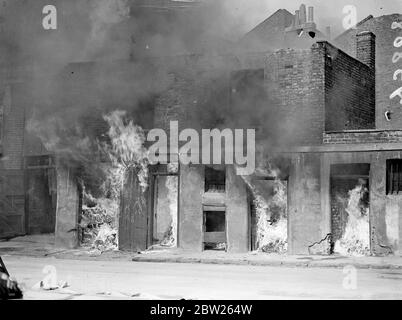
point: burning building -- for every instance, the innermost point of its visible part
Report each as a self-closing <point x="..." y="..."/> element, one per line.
<point x="327" y="177"/>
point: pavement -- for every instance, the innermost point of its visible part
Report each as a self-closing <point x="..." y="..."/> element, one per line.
<point x="40" y="246"/>
<point x="128" y="280"/>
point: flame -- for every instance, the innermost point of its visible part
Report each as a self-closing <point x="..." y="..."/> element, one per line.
<point x="271" y="230"/>
<point x="356" y="237"/>
<point x="126" y="149"/>
<point x="272" y="233"/>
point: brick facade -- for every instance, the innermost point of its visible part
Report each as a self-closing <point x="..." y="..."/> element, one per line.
<point x="349" y="91"/>
<point x="362" y="136"/>
<point x="319" y="89"/>
<point x="14" y="127"/>
<point x="385" y="85"/>
<point x="296" y="79"/>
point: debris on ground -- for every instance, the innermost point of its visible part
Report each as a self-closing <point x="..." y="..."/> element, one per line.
<point x="106" y="238"/>
<point x="137" y="295"/>
<point x="99" y="224"/>
<point x="48" y="285"/>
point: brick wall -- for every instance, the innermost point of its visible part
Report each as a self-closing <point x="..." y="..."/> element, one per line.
<point x="296" y="79"/>
<point x="14" y="124"/>
<point x="349" y="88"/>
<point x="195" y="91"/>
<point x="320" y="88"/>
<point x="369" y="136"/>
<point x="385" y="85"/>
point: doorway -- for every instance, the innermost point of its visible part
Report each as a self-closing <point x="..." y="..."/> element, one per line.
<point x="350" y="203"/>
<point x="165" y="210"/>
<point x="214" y="229"/>
<point x="268" y="198"/>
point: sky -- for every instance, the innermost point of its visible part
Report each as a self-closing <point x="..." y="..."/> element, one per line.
<point x="245" y="14"/>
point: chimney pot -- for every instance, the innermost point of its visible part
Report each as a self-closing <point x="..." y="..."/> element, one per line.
<point x="297" y="18"/>
<point x="302" y="14"/>
<point x="310" y="14"/>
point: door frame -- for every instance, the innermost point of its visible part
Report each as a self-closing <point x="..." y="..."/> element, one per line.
<point x="156" y="171"/>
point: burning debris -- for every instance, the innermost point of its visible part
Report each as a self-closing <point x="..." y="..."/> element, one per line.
<point x="355" y="240"/>
<point x="125" y="150"/>
<point x="99" y="223"/>
<point x="272" y="221"/>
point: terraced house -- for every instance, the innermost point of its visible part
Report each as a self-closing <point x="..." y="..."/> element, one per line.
<point x="327" y="133"/>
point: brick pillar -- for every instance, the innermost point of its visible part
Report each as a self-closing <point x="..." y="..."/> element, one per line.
<point x="68" y="208"/>
<point x="237" y="213"/>
<point x="192" y="186"/>
<point x="366" y="48"/>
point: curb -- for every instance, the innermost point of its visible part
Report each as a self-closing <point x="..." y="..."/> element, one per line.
<point x="217" y="261"/>
<point x="310" y="264"/>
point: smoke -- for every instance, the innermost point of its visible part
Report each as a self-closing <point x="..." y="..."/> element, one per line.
<point x="103" y="15"/>
<point x="123" y="30"/>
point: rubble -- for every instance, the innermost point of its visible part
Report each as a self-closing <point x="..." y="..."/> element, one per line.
<point x="99" y="223"/>
<point x="45" y="285"/>
<point x="106" y="238"/>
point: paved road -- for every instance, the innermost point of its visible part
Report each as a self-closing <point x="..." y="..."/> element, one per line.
<point x="125" y="279"/>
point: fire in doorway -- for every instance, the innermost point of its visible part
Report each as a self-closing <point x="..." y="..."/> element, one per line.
<point x="165" y="209"/>
<point x="269" y="222"/>
<point x="350" y="210"/>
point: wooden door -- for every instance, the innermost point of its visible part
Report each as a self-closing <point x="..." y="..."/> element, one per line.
<point x="12" y="203"/>
<point x="41" y="214"/>
<point x="133" y="220"/>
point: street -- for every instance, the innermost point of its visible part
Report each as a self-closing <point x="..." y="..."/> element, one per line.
<point x="138" y="280"/>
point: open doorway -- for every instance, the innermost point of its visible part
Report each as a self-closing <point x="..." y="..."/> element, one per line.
<point x="40" y="195"/>
<point x="164" y="220"/>
<point x="350" y="203"/>
<point x="214" y="227"/>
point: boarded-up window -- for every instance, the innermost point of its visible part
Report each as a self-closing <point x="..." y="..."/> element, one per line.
<point x="394" y="176"/>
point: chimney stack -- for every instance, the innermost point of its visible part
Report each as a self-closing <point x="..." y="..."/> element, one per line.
<point x="302" y="14"/>
<point x="310" y="14"/>
<point x="366" y="48"/>
<point x="297" y="18"/>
